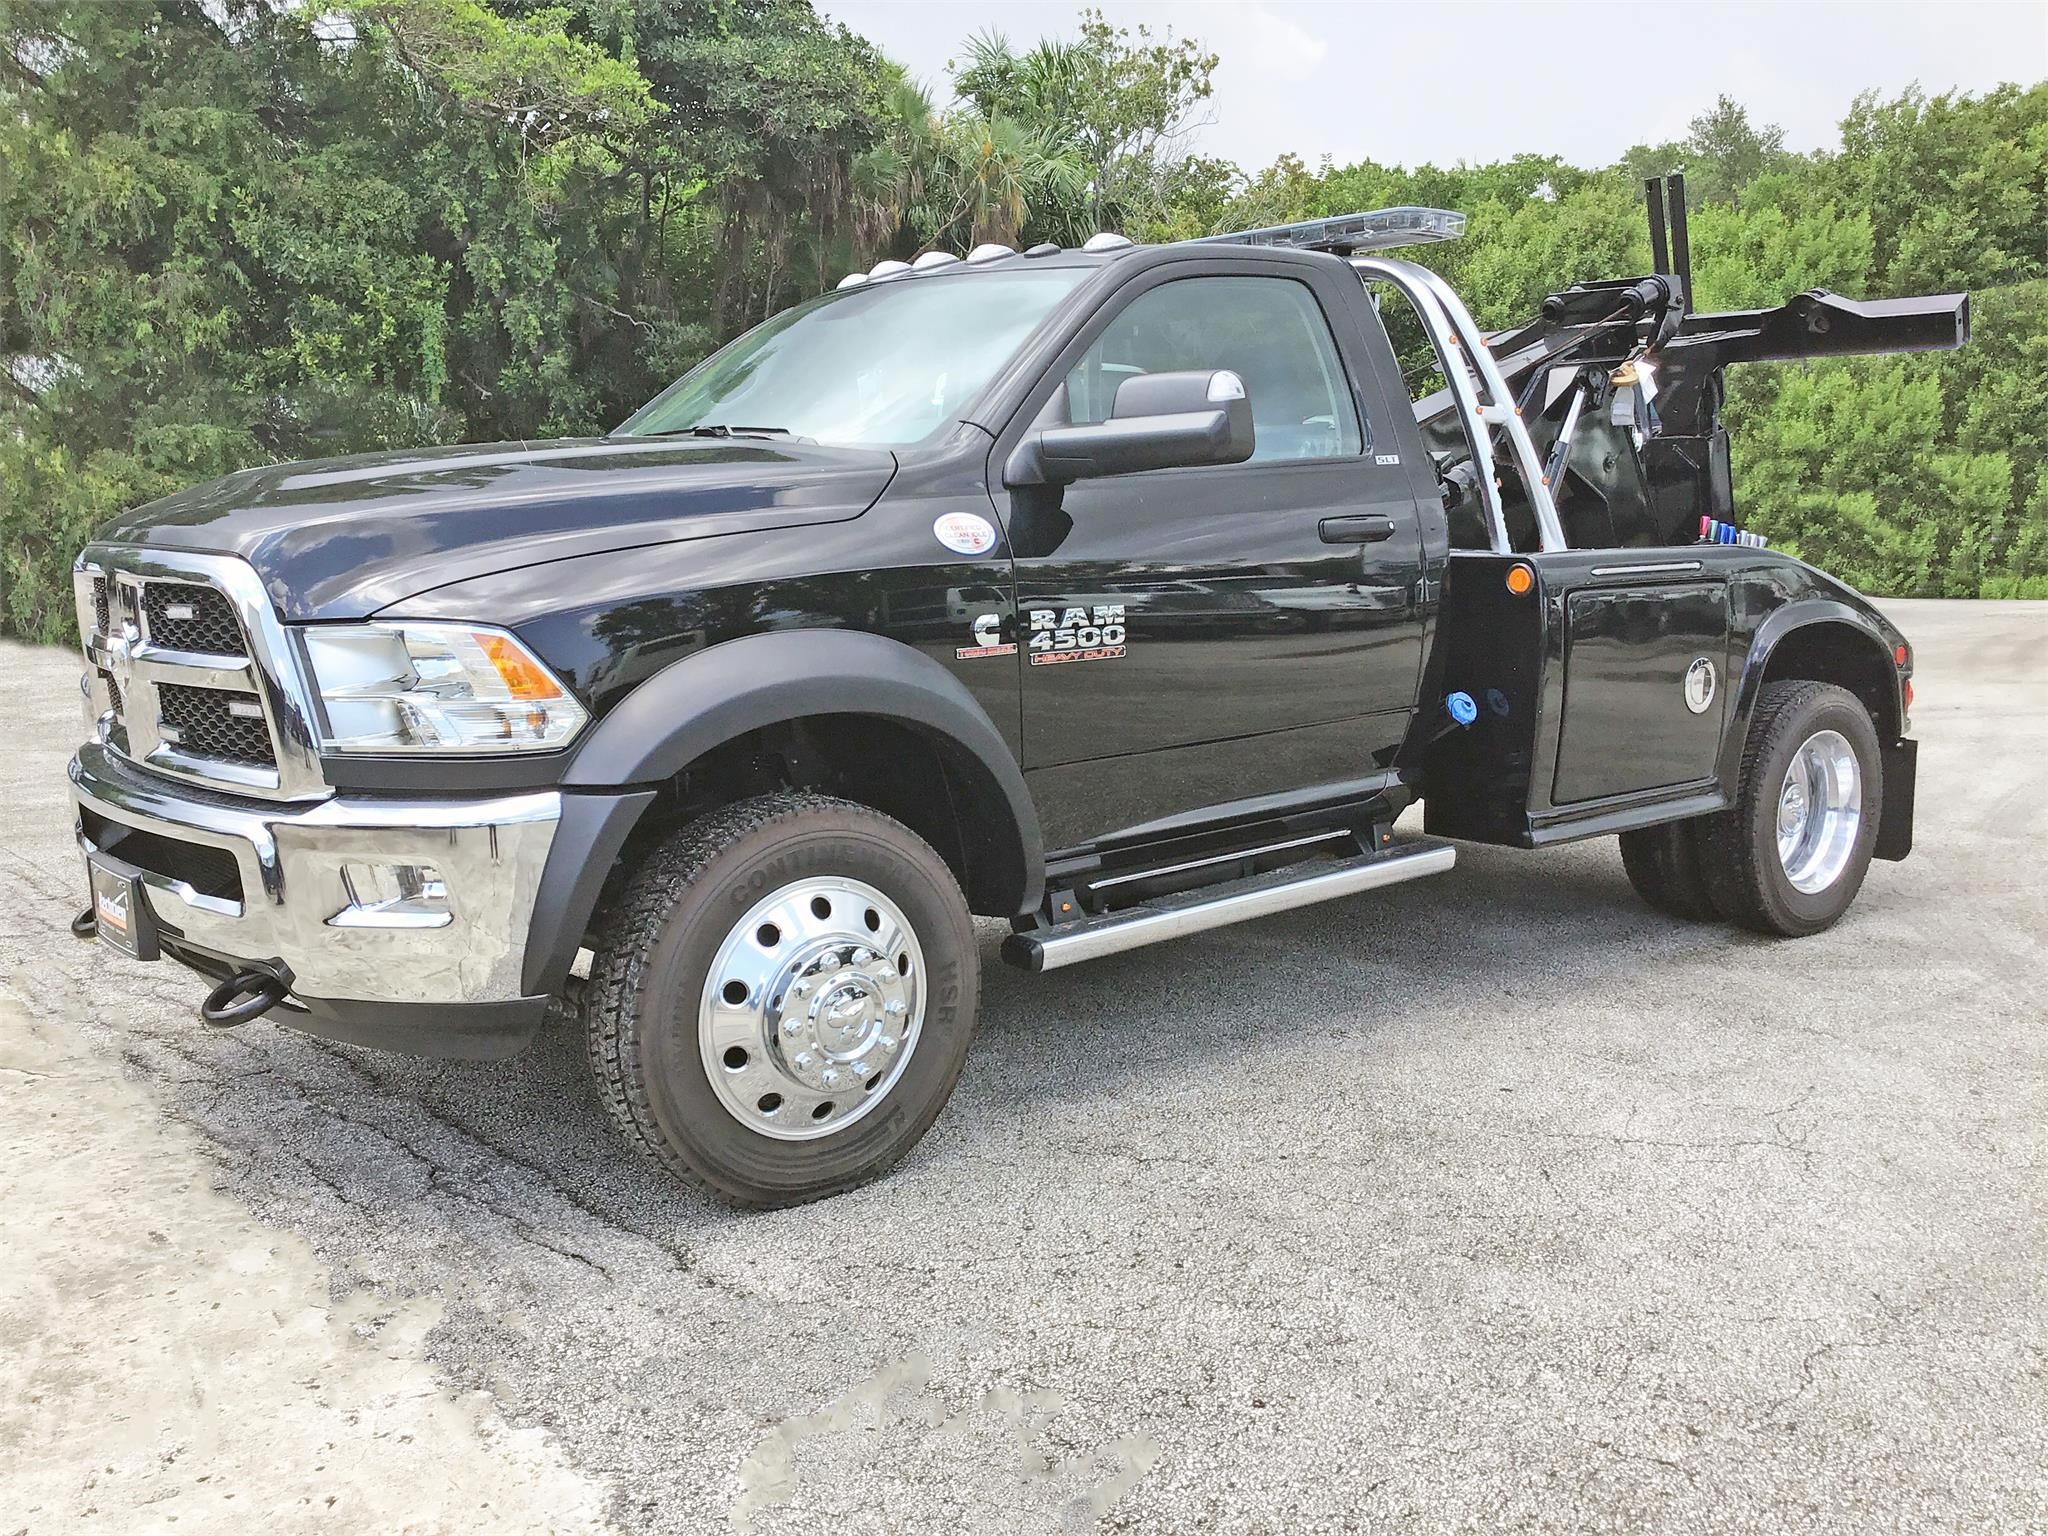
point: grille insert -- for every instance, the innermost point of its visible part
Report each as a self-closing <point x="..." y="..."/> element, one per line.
<point x="188" y="617"/>
<point x="99" y="604"/>
<point x="117" y="728"/>
<point x="207" y="726"/>
<point x="208" y="870"/>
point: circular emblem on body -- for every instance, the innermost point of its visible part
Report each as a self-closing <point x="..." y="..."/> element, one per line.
<point x="964" y="533"/>
<point x="1699" y="685"/>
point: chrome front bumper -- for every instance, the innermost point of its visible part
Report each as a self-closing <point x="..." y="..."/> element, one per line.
<point x="296" y="911"/>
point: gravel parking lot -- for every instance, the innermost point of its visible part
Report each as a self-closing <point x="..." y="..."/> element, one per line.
<point x="1491" y="1202"/>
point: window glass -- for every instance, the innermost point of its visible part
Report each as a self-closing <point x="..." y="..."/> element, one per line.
<point x="886" y="363"/>
<point x="1268" y="330"/>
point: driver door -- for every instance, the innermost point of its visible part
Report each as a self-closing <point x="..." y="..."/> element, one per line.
<point x="1269" y="604"/>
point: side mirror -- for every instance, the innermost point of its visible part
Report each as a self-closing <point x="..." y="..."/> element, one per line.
<point x="1158" y="421"/>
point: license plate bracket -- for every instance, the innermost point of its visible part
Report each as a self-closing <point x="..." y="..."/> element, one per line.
<point x="120" y="910"/>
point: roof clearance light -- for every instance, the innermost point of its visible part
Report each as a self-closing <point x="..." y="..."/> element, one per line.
<point x="1107" y="240"/>
<point x="989" y="252"/>
<point x="888" y="268"/>
<point x="1346" y="233"/>
<point x="853" y="279"/>
<point x="932" y="259"/>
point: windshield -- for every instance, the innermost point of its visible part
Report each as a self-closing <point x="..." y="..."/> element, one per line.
<point x="886" y="364"/>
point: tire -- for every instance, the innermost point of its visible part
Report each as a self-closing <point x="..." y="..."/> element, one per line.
<point x="1663" y="864"/>
<point x="776" y="895"/>
<point x="1747" y="876"/>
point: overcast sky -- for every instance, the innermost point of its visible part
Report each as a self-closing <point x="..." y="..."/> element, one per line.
<point x="1358" y="81"/>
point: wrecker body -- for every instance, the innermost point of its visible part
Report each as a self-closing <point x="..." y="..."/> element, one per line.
<point x="1117" y="593"/>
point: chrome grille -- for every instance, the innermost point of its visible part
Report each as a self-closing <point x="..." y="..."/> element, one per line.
<point x="187" y="617"/>
<point x="192" y="674"/>
<point x="217" y="724"/>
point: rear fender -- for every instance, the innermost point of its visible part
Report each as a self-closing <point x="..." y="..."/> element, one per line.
<point x="1837" y="642"/>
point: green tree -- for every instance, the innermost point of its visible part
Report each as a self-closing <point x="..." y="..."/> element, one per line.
<point x="1119" y="99"/>
<point x="240" y="230"/>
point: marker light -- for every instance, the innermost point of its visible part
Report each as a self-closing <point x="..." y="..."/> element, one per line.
<point x="431" y="688"/>
<point x="1520" y="579"/>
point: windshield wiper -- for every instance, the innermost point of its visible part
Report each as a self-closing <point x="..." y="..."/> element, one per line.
<point x="719" y="429"/>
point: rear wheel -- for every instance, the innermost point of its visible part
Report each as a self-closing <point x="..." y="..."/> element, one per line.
<point x="1663" y="864"/>
<point x="1790" y="855"/>
<point x="784" y="1000"/>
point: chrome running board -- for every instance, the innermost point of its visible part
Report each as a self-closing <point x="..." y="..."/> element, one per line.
<point x="1281" y="890"/>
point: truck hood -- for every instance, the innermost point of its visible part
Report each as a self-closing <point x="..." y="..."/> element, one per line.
<point x="342" y="538"/>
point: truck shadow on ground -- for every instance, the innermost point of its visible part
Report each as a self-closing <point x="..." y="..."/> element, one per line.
<point x="381" y="1132"/>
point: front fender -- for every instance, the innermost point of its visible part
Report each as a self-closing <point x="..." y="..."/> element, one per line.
<point x="700" y="703"/>
<point x="705" y="700"/>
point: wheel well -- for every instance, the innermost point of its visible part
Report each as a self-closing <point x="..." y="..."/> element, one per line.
<point x="931" y="784"/>
<point x="1847" y="657"/>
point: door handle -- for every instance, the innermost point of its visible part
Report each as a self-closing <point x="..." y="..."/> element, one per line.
<point x="1371" y="528"/>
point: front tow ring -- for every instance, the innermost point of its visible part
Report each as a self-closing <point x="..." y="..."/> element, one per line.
<point x="259" y="990"/>
<point x="85" y="925"/>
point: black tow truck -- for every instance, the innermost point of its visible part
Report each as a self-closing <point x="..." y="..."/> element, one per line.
<point x="1117" y="593"/>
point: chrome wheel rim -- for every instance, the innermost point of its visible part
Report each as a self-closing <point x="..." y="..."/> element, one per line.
<point x="812" y="1008"/>
<point x="1820" y="809"/>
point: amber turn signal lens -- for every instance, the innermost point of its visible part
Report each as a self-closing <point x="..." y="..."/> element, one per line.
<point x="523" y="679"/>
<point x="1520" y="579"/>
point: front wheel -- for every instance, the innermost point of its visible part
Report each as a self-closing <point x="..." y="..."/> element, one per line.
<point x="1790" y="855"/>
<point x="784" y="999"/>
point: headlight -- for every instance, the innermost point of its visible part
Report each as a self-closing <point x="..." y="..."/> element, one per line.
<point x="405" y="687"/>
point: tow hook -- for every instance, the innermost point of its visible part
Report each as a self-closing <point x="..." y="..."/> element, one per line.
<point x="259" y="992"/>
<point x="85" y="925"/>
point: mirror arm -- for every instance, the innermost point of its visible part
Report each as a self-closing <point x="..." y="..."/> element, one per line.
<point x="1026" y="464"/>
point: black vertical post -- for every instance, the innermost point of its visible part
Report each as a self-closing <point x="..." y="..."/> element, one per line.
<point x="1660" y="254"/>
<point x="1681" y="247"/>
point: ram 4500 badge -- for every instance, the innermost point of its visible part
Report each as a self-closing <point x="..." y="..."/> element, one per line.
<point x="1076" y="634"/>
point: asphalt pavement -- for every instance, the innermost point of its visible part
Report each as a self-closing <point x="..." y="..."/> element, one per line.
<point x="1491" y="1202"/>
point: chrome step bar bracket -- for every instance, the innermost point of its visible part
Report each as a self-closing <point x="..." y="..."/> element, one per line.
<point x="1282" y="890"/>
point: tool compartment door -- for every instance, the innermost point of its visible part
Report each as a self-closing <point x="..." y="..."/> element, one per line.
<point x="1645" y="688"/>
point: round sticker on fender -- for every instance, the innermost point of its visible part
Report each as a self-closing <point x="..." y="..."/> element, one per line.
<point x="965" y="534"/>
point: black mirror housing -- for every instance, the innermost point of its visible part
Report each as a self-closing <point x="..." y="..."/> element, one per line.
<point x="1158" y="421"/>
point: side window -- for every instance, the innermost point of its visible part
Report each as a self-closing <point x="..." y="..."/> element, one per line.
<point x="1269" y="330"/>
